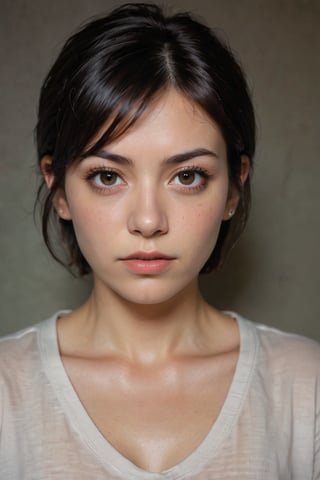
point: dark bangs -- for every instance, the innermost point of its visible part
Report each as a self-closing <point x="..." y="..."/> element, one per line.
<point x="110" y="69"/>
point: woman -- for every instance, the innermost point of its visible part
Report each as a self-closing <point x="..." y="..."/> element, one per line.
<point x="145" y="140"/>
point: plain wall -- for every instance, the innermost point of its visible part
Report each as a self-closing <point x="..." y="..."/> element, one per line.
<point x="272" y="275"/>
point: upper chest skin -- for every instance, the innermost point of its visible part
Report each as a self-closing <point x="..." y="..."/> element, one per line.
<point x="154" y="416"/>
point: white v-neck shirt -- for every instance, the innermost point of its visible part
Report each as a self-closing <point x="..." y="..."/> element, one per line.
<point x="267" y="429"/>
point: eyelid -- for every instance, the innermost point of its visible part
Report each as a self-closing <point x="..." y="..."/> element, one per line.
<point x="195" y="168"/>
<point x="100" y="168"/>
<point x="189" y="168"/>
<point x="92" y="172"/>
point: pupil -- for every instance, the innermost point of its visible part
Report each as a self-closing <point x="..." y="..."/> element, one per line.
<point x="187" y="178"/>
<point x="108" y="178"/>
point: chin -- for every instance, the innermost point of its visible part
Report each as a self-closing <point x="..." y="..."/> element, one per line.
<point x="148" y="297"/>
<point x="149" y="291"/>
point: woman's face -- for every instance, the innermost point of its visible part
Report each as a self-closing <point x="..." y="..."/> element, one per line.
<point x="147" y="211"/>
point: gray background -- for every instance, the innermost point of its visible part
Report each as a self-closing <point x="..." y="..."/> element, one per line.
<point x="272" y="274"/>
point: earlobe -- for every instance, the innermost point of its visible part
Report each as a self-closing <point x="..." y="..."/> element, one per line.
<point x="232" y="203"/>
<point x="234" y="196"/>
<point x="59" y="200"/>
<point x="61" y="205"/>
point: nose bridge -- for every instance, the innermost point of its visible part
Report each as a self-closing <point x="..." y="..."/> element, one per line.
<point x="148" y="214"/>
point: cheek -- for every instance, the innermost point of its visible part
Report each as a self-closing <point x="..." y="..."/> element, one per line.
<point x="201" y="226"/>
<point x="90" y="224"/>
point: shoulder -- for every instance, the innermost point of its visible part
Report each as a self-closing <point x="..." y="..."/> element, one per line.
<point x="287" y="383"/>
<point x="289" y="352"/>
<point x="16" y="345"/>
<point x="19" y="369"/>
<point x="20" y="352"/>
<point x="286" y="368"/>
<point x="276" y="349"/>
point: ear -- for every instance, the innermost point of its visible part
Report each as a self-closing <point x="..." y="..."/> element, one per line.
<point x="233" y="197"/>
<point x="59" y="200"/>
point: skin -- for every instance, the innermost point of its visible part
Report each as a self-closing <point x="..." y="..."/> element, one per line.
<point x="147" y="347"/>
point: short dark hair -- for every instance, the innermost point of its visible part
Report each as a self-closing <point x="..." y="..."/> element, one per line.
<point x="111" y="69"/>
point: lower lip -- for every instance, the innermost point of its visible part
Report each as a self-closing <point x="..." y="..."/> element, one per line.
<point x="148" y="267"/>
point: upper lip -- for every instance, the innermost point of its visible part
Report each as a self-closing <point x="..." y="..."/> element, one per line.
<point x="148" y="256"/>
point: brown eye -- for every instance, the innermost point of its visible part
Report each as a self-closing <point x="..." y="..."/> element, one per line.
<point x="104" y="179"/>
<point x="187" y="178"/>
<point x="190" y="180"/>
<point x="108" y="178"/>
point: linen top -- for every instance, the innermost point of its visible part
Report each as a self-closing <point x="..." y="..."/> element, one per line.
<point x="267" y="429"/>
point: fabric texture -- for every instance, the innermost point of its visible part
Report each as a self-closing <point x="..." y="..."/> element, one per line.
<point x="267" y="429"/>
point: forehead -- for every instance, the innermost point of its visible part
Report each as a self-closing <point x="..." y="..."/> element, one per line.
<point x="170" y="122"/>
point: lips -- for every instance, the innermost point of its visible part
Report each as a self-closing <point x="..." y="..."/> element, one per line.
<point x="148" y="263"/>
<point x="148" y="256"/>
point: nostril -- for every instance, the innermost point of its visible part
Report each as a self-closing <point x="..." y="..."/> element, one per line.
<point x="148" y="226"/>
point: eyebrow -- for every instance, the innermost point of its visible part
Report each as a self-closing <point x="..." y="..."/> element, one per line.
<point x="174" y="159"/>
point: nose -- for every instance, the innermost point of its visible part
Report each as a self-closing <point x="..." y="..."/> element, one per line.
<point x="148" y="215"/>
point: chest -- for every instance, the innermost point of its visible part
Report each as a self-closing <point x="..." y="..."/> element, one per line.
<point x="153" y="418"/>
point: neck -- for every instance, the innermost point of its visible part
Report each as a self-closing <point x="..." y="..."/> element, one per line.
<point x="108" y="324"/>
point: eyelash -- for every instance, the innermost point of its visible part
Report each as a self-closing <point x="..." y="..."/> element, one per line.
<point x="204" y="174"/>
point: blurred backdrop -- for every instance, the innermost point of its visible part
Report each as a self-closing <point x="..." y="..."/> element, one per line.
<point x="272" y="275"/>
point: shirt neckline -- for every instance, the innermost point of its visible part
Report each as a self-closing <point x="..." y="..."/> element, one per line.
<point x="99" y="446"/>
